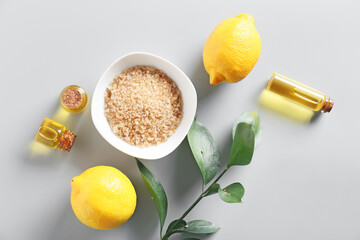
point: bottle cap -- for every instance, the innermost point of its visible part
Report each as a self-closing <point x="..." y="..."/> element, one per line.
<point x="66" y="141"/>
<point x="328" y="105"/>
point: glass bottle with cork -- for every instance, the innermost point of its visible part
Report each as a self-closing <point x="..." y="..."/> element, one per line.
<point x="300" y="93"/>
<point x="73" y="99"/>
<point x="55" y="135"/>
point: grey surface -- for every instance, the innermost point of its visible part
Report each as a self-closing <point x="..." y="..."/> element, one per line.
<point x="304" y="180"/>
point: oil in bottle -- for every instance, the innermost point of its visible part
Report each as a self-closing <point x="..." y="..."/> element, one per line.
<point x="54" y="135"/>
<point x="73" y="99"/>
<point x="300" y="93"/>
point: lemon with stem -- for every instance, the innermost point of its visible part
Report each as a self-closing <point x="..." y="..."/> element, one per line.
<point x="232" y="50"/>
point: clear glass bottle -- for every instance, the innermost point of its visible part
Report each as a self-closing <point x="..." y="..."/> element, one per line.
<point x="73" y="99"/>
<point x="300" y="93"/>
<point x="54" y="135"/>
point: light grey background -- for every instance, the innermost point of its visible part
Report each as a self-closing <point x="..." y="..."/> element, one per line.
<point x="304" y="180"/>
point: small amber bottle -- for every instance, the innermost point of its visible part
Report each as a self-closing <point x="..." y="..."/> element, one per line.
<point x="54" y="135"/>
<point x="73" y="99"/>
<point x="300" y="93"/>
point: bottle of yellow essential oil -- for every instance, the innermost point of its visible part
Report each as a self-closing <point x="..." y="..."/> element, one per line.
<point x="54" y="135"/>
<point x="73" y="99"/>
<point x="300" y="93"/>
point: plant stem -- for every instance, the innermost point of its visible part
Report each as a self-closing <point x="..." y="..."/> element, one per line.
<point x="202" y="195"/>
<point x="218" y="178"/>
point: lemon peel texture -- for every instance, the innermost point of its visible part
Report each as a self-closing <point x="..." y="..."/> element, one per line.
<point x="102" y="197"/>
<point x="232" y="49"/>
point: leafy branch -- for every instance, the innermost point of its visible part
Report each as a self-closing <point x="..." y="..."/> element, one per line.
<point x="246" y="136"/>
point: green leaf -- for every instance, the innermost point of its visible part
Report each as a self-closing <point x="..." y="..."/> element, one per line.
<point x="242" y="148"/>
<point x="156" y="191"/>
<point x="201" y="227"/>
<point x="205" y="150"/>
<point x="212" y="189"/>
<point x="232" y="193"/>
<point x="251" y="117"/>
<point x="176" y="226"/>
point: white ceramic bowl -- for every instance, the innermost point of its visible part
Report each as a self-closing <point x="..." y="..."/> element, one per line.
<point x="184" y="84"/>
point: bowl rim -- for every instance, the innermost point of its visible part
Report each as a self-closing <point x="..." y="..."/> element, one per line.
<point x="185" y="127"/>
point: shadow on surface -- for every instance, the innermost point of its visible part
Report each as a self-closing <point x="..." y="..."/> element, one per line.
<point x="91" y="149"/>
<point x="68" y="227"/>
<point x="39" y="154"/>
<point x="141" y="224"/>
<point x="200" y="79"/>
<point x="286" y="107"/>
<point x="225" y="148"/>
<point x="316" y="117"/>
<point x="145" y="221"/>
<point x="181" y="236"/>
<point x="186" y="174"/>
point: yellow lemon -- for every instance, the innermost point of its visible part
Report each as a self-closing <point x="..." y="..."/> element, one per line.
<point x="102" y="197"/>
<point x="232" y="49"/>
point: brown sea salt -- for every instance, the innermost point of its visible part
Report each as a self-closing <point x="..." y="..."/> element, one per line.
<point x="143" y="106"/>
<point x="71" y="98"/>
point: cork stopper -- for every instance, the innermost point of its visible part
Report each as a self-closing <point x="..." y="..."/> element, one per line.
<point x="66" y="141"/>
<point x="328" y="105"/>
